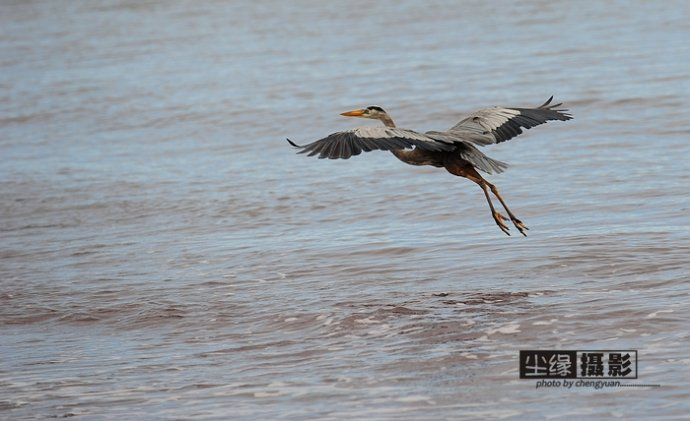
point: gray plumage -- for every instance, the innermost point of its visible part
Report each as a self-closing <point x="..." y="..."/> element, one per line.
<point x="498" y="124"/>
<point x="481" y="128"/>
<point x="455" y="149"/>
<point x="343" y="145"/>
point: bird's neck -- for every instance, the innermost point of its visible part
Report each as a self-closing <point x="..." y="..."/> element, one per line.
<point x="387" y="120"/>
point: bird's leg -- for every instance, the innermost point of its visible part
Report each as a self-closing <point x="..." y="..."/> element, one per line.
<point x="518" y="224"/>
<point x="500" y="219"/>
<point x="473" y="175"/>
<point x="466" y="170"/>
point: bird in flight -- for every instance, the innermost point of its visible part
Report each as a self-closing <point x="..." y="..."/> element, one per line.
<point x="455" y="149"/>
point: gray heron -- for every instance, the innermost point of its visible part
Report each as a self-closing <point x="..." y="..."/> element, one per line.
<point x="455" y="149"/>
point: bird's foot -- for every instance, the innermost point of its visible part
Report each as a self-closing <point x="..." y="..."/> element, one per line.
<point x="500" y="221"/>
<point x="520" y="226"/>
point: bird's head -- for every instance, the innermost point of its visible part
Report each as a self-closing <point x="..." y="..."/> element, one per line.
<point x="374" y="112"/>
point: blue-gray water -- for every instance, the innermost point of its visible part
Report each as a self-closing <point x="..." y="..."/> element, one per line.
<point x="164" y="253"/>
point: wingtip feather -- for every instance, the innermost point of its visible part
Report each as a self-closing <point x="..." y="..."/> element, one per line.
<point x="548" y="101"/>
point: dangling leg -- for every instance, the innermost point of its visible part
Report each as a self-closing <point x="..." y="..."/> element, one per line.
<point x="500" y="219"/>
<point x="485" y="185"/>
<point x="518" y="224"/>
<point x="467" y="170"/>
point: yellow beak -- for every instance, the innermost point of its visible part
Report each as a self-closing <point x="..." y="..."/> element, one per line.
<point x="353" y="113"/>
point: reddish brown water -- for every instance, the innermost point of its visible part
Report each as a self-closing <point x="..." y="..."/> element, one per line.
<point x="165" y="254"/>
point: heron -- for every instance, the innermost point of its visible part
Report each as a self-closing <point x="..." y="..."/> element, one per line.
<point x="455" y="149"/>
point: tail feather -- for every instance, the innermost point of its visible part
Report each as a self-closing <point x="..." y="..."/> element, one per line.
<point x="496" y="165"/>
<point x="482" y="162"/>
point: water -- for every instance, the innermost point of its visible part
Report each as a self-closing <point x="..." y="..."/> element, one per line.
<point x="165" y="254"/>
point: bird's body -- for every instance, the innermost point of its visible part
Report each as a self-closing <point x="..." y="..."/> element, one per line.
<point x="455" y="150"/>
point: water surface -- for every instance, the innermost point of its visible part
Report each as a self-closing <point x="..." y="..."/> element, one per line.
<point x="165" y="254"/>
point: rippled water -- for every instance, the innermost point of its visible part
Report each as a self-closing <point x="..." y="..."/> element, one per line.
<point x="165" y="254"/>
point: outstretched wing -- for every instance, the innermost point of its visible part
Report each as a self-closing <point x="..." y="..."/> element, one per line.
<point x="498" y="124"/>
<point x="353" y="142"/>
